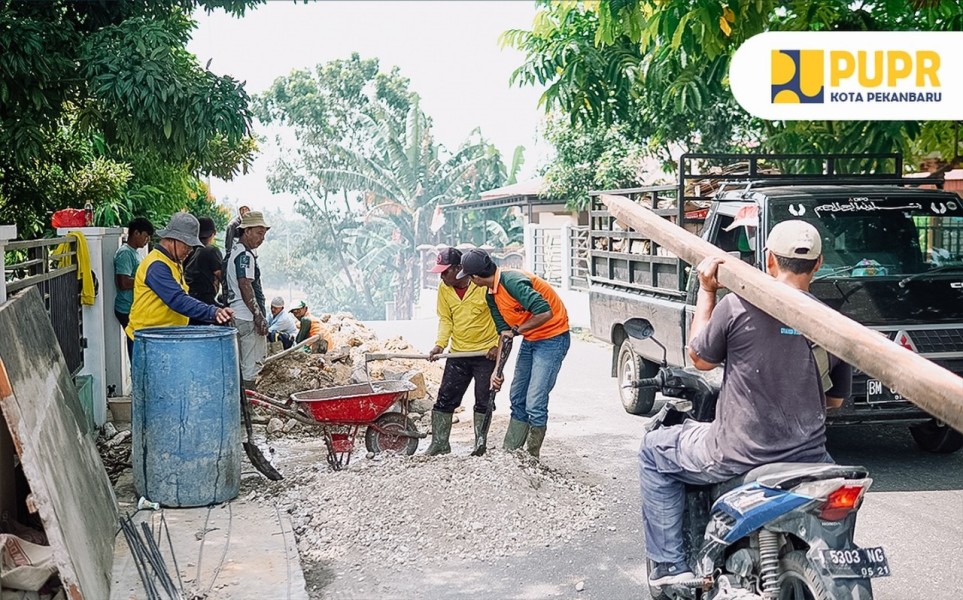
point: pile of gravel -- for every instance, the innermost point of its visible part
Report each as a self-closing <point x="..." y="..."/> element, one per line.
<point x="407" y="510"/>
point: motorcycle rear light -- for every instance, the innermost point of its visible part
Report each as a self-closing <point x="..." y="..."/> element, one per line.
<point x="842" y="501"/>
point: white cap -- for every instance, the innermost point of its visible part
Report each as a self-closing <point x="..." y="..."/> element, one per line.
<point x="278" y="302"/>
<point x="794" y="239"/>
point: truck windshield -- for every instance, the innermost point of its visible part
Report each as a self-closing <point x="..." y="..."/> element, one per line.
<point x="882" y="237"/>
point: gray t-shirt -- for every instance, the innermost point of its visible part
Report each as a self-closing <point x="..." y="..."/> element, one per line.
<point x="772" y="407"/>
<point x="242" y="264"/>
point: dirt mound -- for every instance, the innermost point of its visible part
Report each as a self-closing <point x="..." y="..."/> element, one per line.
<point x="344" y="364"/>
<point x="481" y="508"/>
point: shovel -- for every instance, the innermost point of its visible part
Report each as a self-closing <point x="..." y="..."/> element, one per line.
<point x="257" y="459"/>
<point x="506" y="349"/>
<point x="370" y="356"/>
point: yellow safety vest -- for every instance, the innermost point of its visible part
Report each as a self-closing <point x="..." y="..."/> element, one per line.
<point x="148" y="310"/>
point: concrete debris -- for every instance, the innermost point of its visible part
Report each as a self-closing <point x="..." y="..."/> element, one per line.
<point x="115" y="453"/>
<point x="275" y="426"/>
<point x="289" y="425"/>
<point x="344" y="364"/>
<point x="481" y="508"/>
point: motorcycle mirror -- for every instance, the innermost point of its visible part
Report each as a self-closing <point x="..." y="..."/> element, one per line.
<point x="638" y="328"/>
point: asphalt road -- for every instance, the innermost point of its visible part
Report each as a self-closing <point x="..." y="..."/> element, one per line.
<point x="914" y="509"/>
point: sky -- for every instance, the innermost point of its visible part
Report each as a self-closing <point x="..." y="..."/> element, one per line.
<point x="448" y="49"/>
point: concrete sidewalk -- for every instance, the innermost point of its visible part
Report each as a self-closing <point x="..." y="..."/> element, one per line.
<point x="240" y="549"/>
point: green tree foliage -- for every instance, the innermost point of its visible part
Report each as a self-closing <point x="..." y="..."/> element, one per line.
<point x="659" y="70"/>
<point x="368" y="176"/>
<point x="90" y="92"/>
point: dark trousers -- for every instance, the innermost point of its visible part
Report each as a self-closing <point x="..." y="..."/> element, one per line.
<point x="124" y="319"/>
<point x="279" y="336"/>
<point x="454" y="383"/>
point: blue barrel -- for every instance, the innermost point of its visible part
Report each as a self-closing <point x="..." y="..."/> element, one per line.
<point x="186" y="415"/>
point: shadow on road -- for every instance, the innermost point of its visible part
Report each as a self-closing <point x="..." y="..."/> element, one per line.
<point x="893" y="459"/>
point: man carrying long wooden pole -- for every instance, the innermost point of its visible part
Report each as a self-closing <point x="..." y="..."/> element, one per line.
<point x="772" y="405"/>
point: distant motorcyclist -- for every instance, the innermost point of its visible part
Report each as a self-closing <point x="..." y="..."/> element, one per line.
<point x="772" y="404"/>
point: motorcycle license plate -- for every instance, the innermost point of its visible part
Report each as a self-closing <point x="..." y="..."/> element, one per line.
<point x="855" y="562"/>
<point x="877" y="392"/>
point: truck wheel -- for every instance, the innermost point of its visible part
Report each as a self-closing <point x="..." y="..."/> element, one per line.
<point x="937" y="437"/>
<point x="632" y="367"/>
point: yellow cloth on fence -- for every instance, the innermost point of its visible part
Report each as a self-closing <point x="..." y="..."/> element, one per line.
<point x="84" y="273"/>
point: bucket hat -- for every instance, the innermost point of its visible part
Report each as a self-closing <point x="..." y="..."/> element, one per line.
<point x="182" y="227"/>
<point x="255" y="218"/>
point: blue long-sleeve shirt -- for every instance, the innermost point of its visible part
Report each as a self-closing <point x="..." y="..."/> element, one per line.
<point x="160" y="279"/>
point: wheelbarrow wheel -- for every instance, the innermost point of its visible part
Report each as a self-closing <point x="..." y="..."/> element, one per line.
<point x="391" y="439"/>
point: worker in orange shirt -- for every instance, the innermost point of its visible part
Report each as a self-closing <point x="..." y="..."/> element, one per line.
<point x="523" y="304"/>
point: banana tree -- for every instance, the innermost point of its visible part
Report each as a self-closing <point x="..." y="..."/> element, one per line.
<point x="401" y="176"/>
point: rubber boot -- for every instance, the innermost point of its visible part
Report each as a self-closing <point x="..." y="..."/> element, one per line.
<point x="515" y="436"/>
<point x="482" y="422"/>
<point x="440" y="430"/>
<point x="536" y="435"/>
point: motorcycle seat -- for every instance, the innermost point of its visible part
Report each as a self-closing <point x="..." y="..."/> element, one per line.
<point x="784" y="476"/>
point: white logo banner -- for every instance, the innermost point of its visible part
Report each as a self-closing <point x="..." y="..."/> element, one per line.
<point x="842" y="75"/>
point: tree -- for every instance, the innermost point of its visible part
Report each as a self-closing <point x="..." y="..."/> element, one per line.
<point x="368" y="174"/>
<point x="660" y="68"/>
<point x="91" y="90"/>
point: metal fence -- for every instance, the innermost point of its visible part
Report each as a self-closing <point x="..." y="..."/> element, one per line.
<point x="50" y="265"/>
<point x="578" y="257"/>
<point x="547" y="261"/>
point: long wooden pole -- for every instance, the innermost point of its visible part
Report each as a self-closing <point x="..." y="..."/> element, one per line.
<point x="926" y="384"/>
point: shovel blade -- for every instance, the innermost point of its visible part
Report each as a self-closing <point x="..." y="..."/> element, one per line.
<point x="260" y="463"/>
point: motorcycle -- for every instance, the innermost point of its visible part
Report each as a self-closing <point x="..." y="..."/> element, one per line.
<point x="782" y="531"/>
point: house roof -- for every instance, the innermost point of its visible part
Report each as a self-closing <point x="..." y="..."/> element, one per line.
<point x="523" y="193"/>
<point x="530" y="187"/>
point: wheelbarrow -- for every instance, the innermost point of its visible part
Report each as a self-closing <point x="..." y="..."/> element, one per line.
<point x="341" y="411"/>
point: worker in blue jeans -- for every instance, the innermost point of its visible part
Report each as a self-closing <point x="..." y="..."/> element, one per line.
<point x="523" y="304"/>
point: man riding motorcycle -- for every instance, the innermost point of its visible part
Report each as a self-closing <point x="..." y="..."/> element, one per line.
<point x="771" y="406"/>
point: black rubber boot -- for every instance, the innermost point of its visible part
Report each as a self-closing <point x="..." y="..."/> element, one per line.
<point x="536" y="435"/>
<point x="440" y="430"/>
<point x="515" y="436"/>
<point x="482" y="422"/>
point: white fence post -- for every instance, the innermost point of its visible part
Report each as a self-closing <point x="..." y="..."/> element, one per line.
<point x="101" y="244"/>
<point x="8" y="233"/>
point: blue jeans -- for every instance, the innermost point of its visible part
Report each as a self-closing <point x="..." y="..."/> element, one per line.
<point x="536" y="369"/>
<point x="669" y="458"/>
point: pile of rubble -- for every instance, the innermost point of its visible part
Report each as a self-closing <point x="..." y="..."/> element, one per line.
<point x="114" y="447"/>
<point x="481" y="508"/>
<point x="344" y="364"/>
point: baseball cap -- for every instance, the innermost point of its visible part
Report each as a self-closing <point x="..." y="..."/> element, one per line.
<point x="794" y="239"/>
<point x="474" y="262"/>
<point x="446" y="258"/>
<point x="747" y="216"/>
<point x="278" y="302"/>
<point x="298" y="305"/>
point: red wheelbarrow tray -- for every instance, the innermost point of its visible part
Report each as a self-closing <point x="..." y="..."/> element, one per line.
<point x="360" y="403"/>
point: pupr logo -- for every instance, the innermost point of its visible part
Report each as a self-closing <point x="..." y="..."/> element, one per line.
<point x="797" y="77"/>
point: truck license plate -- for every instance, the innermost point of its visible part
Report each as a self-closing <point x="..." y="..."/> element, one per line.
<point x="855" y="562"/>
<point x="877" y="392"/>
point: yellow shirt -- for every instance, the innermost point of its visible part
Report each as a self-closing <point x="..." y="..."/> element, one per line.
<point x="466" y="322"/>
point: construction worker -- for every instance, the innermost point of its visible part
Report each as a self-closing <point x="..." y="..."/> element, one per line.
<point x="246" y="295"/>
<point x="282" y="328"/>
<point x="465" y="321"/>
<point x="160" y="291"/>
<point x="524" y="304"/>
<point x="310" y="326"/>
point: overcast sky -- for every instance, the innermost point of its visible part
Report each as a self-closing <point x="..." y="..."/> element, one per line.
<point x="448" y="49"/>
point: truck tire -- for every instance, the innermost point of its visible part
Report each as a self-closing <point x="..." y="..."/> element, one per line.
<point x="632" y="367"/>
<point x="799" y="580"/>
<point x="937" y="437"/>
